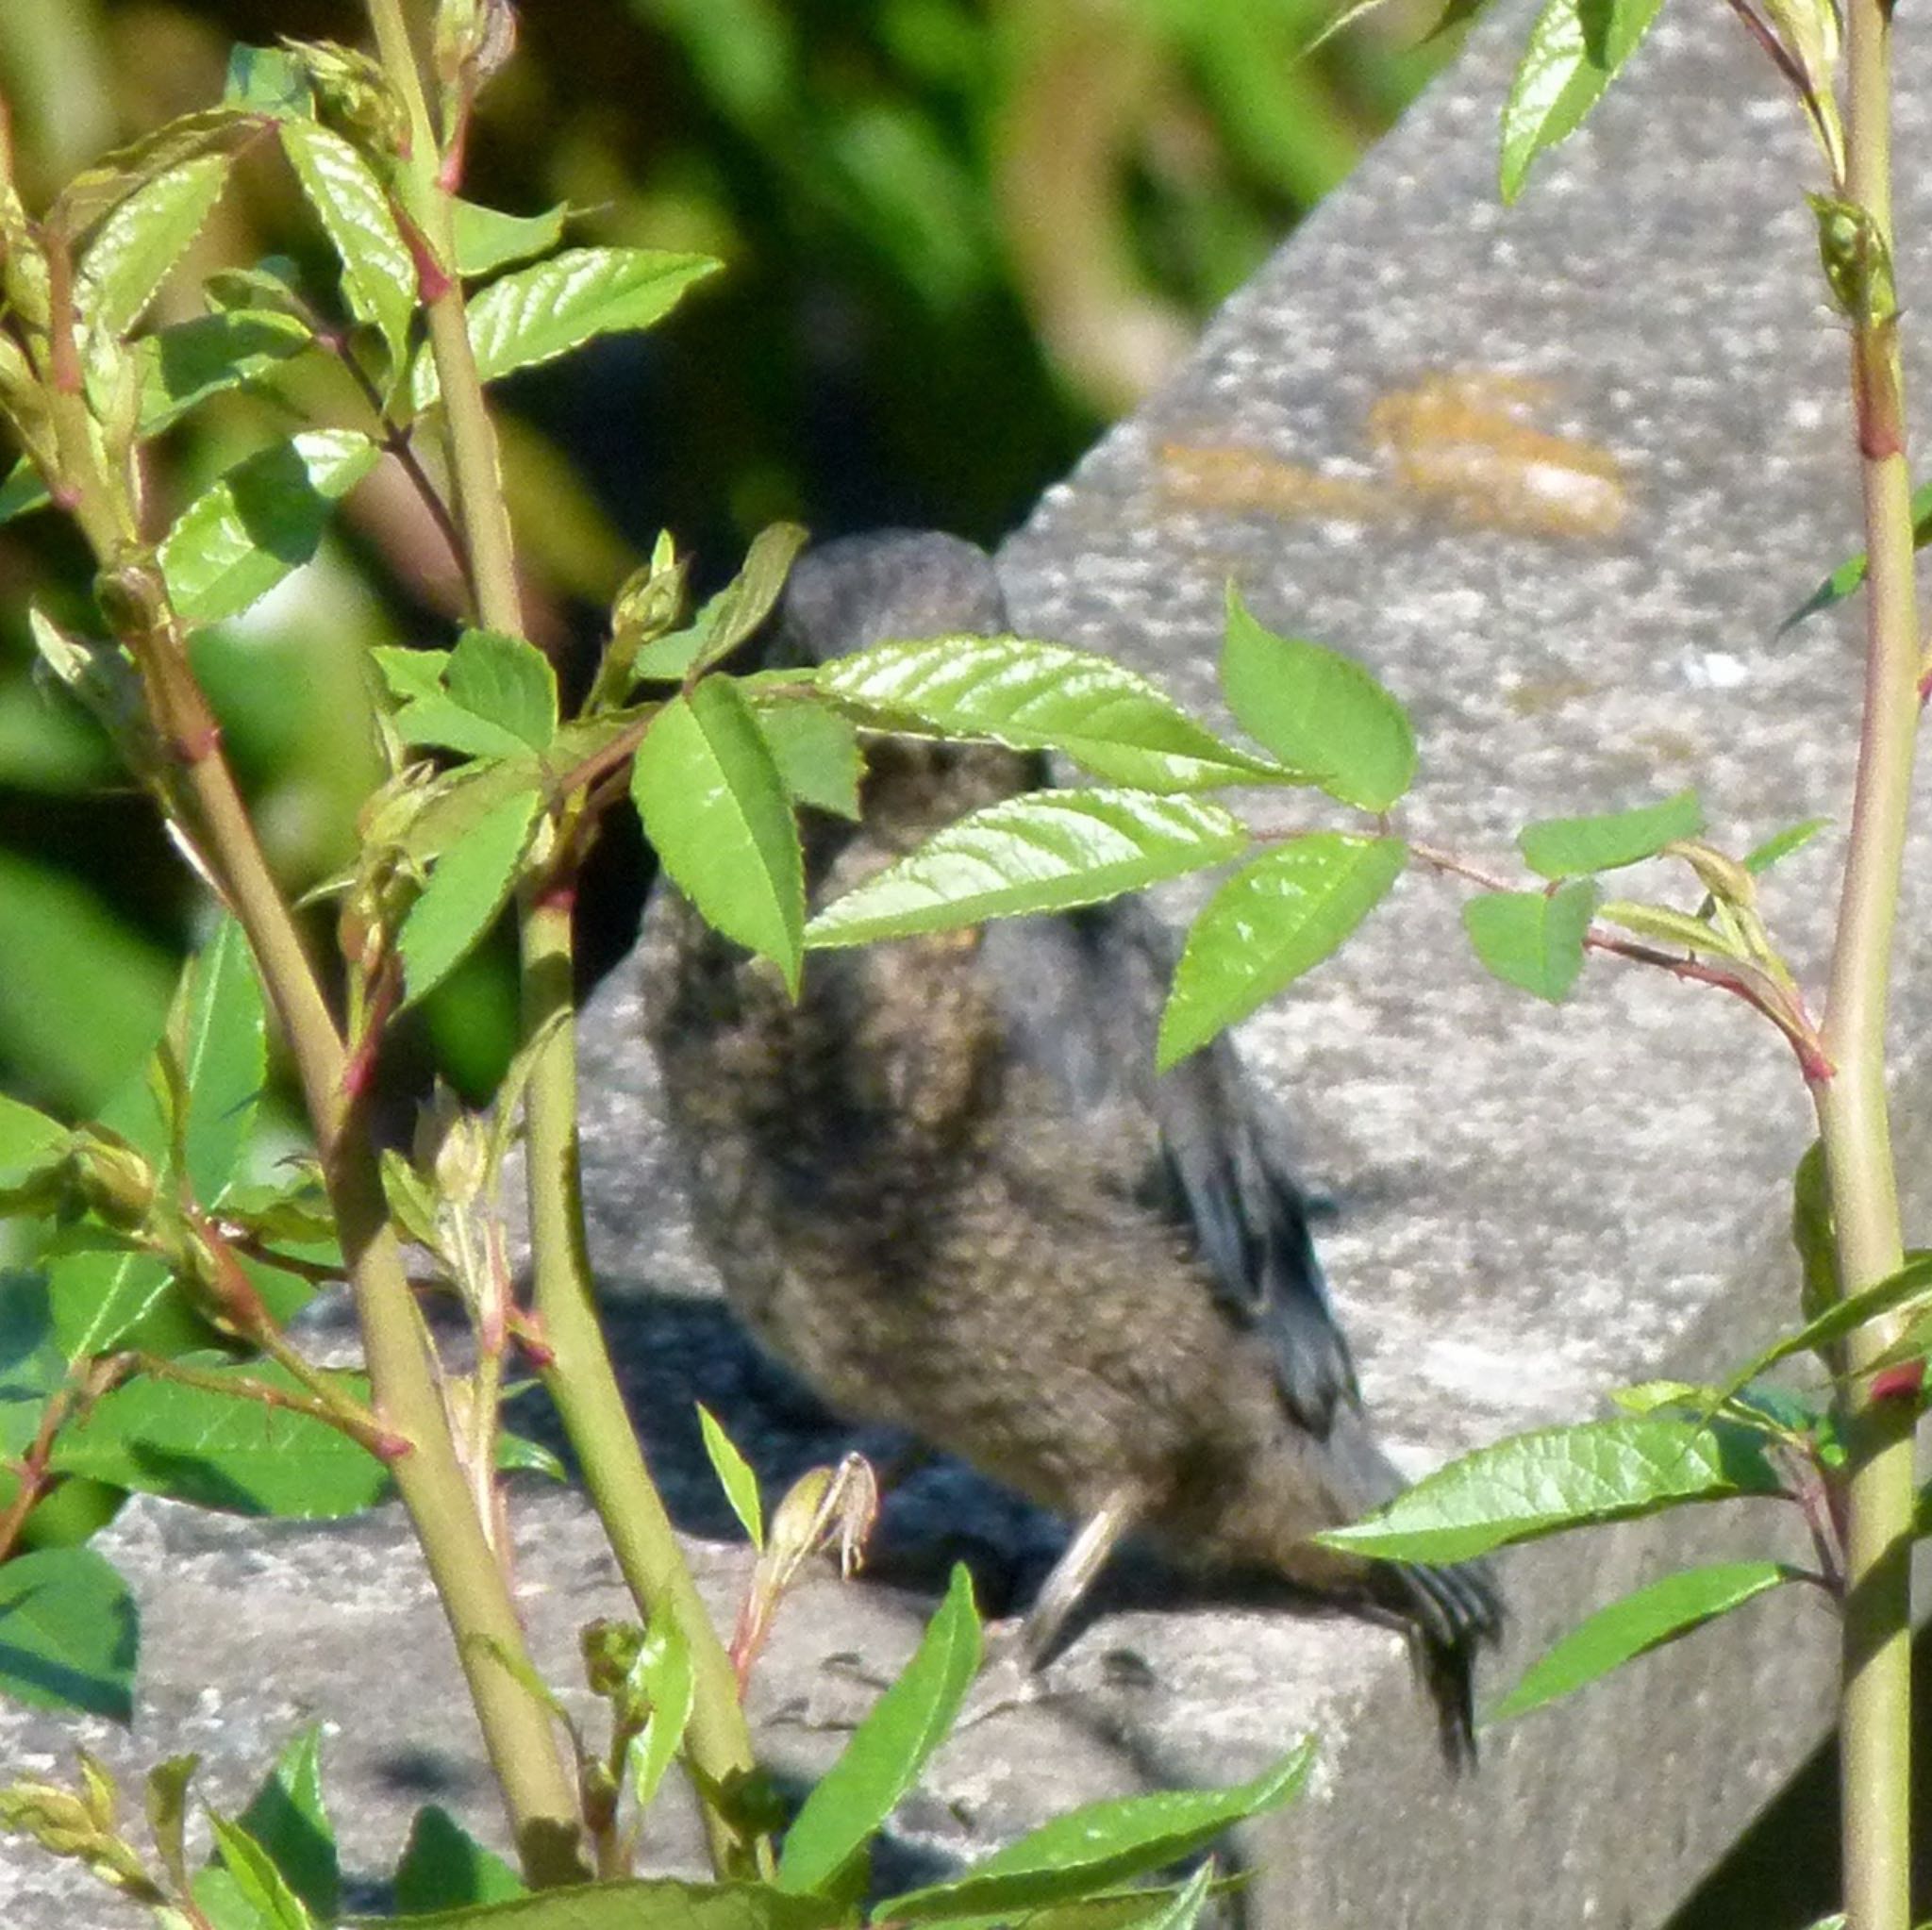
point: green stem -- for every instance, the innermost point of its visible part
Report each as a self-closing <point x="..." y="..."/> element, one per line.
<point x="1875" y="1708"/>
<point x="579" y="1378"/>
<point x="581" y="1382"/>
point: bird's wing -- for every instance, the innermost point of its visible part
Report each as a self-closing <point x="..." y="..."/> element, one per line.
<point x="1080" y="996"/>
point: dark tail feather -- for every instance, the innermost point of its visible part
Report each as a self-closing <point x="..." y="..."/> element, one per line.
<point x="1450" y="1613"/>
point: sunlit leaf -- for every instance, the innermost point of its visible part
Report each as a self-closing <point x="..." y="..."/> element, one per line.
<point x="507" y="682"/>
<point x="470" y="885"/>
<point x="1641" y="1621"/>
<point x="488" y="239"/>
<point x="1318" y="711"/>
<point x="534" y="314"/>
<point x="1559" y="1477"/>
<point x="234" y="542"/>
<point x="1574" y="49"/>
<point x="68" y="1633"/>
<point x="886" y="1753"/>
<point x="1043" y="851"/>
<point x="145" y="236"/>
<point x="183" y="365"/>
<point x="444" y="1868"/>
<point x="817" y="754"/>
<point x="1042" y="696"/>
<point x="1273" y="921"/>
<point x="735" y="1476"/>
<point x="716" y="810"/>
<point x="288" y="1819"/>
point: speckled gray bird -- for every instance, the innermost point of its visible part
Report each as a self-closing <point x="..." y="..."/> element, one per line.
<point x="947" y="1189"/>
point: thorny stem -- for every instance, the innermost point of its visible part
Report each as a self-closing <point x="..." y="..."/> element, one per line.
<point x="1874" y="1753"/>
<point x="579" y="1378"/>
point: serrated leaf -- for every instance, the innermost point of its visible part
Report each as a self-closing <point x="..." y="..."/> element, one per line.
<point x="1041" y="696"/>
<point x="534" y="314"/>
<point x="749" y="598"/>
<point x="1851" y="572"/>
<point x="262" y="1887"/>
<point x="886" y="1753"/>
<point x="185" y="364"/>
<point x="817" y="754"/>
<point x="439" y="721"/>
<point x="234" y="542"/>
<point x="1569" y="847"/>
<point x="1641" y="1621"/>
<point x="486" y="239"/>
<point x="1318" y="711"/>
<point x="1574" y="49"/>
<point x="1043" y="851"/>
<point x="507" y="682"/>
<point x="288" y="1821"/>
<point x="68" y="1631"/>
<point x="445" y="1868"/>
<point x="1101" y="1843"/>
<point x="378" y="271"/>
<point x="1778" y="847"/>
<point x="216" y="1447"/>
<point x="142" y="240"/>
<point x="1909" y="1289"/>
<point x="271" y="80"/>
<point x="1273" y="921"/>
<point x="715" y="809"/>
<point x="518" y="1452"/>
<point x="1554" y="1478"/>
<point x="470" y="885"/>
<point x="1533" y="939"/>
<point x="94" y="192"/>
<point x="735" y="1476"/>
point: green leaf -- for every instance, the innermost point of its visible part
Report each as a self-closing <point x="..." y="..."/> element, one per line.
<point x="507" y="682"/>
<point x="1318" y="711"/>
<point x="221" y="1449"/>
<point x="269" y="79"/>
<point x="735" y="1476"/>
<point x="749" y="598"/>
<point x="1574" y="49"/>
<point x="408" y="674"/>
<point x="470" y="885"/>
<point x="534" y="314"/>
<point x="445" y="1868"/>
<point x="887" y="1750"/>
<point x="29" y="1142"/>
<point x="185" y="364"/>
<point x="1532" y="939"/>
<point x="1814" y="1232"/>
<point x="1781" y="845"/>
<point x="378" y="271"/>
<point x="288" y="1821"/>
<point x="1568" y="847"/>
<point x="22" y="490"/>
<point x="816" y="751"/>
<point x="1273" y="921"/>
<point x="226" y="1059"/>
<point x="1909" y="1289"/>
<point x="1043" y="851"/>
<point x="31" y="1362"/>
<point x="663" y="1678"/>
<point x="657" y="1902"/>
<point x="1670" y="927"/>
<point x="96" y="191"/>
<point x="715" y="808"/>
<point x="1559" y="1477"/>
<point x="142" y="240"/>
<point x="488" y="239"/>
<point x="440" y="719"/>
<point x="234" y="544"/>
<point x="518" y="1452"/>
<point x="1851" y="572"/>
<point x="68" y="1633"/>
<point x="262" y="1887"/>
<point x="98" y="1292"/>
<point x="1042" y="696"/>
<point x="1641" y="1621"/>
<point x="1101" y="1843"/>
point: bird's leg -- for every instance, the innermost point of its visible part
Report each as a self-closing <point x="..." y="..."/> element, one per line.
<point x="1074" y="1572"/>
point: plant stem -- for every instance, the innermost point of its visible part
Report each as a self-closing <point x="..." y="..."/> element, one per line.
<point x="1875" y="1708"/>
<point x="579" y="1377"/>
<point x="581" y="1381"/>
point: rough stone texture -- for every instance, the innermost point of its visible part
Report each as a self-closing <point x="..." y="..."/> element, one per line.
<point x="1534" y="1205"/>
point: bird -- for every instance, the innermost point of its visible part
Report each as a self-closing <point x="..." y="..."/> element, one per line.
<point x="946" y="1188"/>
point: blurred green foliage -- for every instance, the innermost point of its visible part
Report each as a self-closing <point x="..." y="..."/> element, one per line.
<point x="959" y="238"/>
